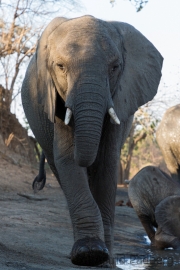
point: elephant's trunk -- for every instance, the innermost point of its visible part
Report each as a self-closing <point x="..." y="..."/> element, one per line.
<point x="89" y="112"/>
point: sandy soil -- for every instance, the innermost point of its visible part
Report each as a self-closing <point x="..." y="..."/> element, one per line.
<point x="36" y="232"/>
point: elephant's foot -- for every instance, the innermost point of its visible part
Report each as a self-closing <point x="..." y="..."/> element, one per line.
<point x="176" y="243"/>
<point x="89" y="251"/>
<point x="164" y="240"/>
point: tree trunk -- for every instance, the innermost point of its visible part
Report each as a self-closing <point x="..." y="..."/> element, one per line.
<point x="132" y="143"/>
<point x="121" y="174"/>
<point x="130" y="152"/>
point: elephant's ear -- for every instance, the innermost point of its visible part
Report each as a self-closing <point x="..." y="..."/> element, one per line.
<point x="141" y="70"/>
<point x="45" y="86"/>
<point x="167" y="215"/>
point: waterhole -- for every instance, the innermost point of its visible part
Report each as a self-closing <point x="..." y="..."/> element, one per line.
<point x="167" y="259"/>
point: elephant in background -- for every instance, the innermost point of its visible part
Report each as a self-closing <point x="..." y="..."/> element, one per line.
<point x="80" y="91"/>
<point x="167" y="136"/>
<point x="155" y="196"/>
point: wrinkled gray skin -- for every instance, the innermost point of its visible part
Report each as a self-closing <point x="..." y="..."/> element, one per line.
<point x="88" y="65"/>
<point x="155" y="196"/>
<point x="168" y="138"/>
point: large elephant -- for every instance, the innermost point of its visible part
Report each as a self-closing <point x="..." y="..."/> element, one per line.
<point x="155" y="196"/>
<point x="81" y="89"/>
<point x="168" y="138"/>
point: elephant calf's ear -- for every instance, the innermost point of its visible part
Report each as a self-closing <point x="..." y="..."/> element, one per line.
<point x="45" y="84"/>
<point x="142" y="70"/>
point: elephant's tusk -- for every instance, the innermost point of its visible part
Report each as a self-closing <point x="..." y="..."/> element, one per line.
<point x="114" y="116"/>
<point x="67" y="116"/>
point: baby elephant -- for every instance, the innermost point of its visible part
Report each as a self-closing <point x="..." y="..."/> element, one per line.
<point x="155" y="197"/>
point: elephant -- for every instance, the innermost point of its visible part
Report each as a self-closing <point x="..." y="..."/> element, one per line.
<point x="155" y="197"/>
<point x="80" y="92"/>
<point x="167" y="136"/>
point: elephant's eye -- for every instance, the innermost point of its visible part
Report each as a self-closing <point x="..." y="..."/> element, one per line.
<point x="113" y="70"/>
<point x="114" y="67"/>
<point x="61" y="67"/>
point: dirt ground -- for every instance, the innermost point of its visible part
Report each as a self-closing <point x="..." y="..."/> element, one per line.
<point x="36" y="232"/>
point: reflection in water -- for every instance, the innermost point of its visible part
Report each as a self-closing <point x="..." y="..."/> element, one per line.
<point x="153" y="260"/>
<point x="147" y="240"/>
<point x="127" y="264"/>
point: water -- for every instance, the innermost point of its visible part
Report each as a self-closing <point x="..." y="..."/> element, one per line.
<point x="167" y="259"/>
<point x="147" y="240"/>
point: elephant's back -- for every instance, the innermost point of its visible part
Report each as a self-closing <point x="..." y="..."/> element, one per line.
<point x="172" y="115"/>
<point x="169" y="126"/>
<point x="168" y="215"/>
<point x="148" y="188"/>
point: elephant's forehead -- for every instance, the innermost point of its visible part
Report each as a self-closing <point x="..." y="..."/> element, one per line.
<point x="81" y="24"/>
<point x="83" y="41"/>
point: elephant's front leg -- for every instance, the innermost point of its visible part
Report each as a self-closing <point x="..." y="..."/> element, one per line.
<point x="149" y="227"/>
<point x="103" y="182"/>
<point x="89" y="247"/>
<point x="103" y="175"/>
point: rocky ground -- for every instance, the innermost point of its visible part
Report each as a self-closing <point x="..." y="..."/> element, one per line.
<point x="36" y="232"/>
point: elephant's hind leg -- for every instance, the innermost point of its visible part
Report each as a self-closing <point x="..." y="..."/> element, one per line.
<point x="41" y="126"/>
<point x="148" y="226"/>
<point x="43" y="130"/>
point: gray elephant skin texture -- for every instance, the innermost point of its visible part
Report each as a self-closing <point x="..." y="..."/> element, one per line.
<point x="84" y="68"/>
<point x="167" y="136"/>
<point x="155" y="196"/>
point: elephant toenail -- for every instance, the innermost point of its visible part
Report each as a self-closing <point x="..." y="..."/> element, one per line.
<point x="97" y="247"/>
<point x="105" y="250"/>
<point x="83" y="249"/>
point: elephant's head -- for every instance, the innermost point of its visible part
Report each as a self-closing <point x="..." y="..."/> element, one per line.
<point x="167" y="215"/>
<point x="94" y="67"/>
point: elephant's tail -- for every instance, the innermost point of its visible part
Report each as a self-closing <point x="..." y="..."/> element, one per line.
<point x="40" y="179"/>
